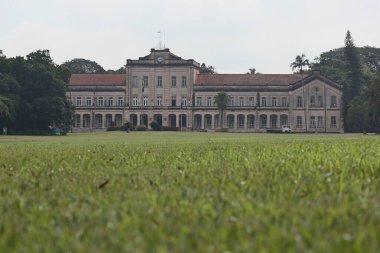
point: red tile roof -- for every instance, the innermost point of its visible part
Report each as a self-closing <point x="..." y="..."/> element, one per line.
<point x="98" y="79"/>
<point x="246" y="79"/>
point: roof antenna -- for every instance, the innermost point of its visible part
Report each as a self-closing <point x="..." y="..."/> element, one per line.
<point x="164" y="40"/>
<point x="159" y="40"/>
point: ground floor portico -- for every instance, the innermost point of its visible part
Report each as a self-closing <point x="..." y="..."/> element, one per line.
<point x="233" y="120"/>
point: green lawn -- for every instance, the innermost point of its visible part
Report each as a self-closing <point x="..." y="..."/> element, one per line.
<point x="190" y="192"/>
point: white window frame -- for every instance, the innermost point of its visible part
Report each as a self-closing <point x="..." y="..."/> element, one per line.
<point x="120" y="101"/>
<point x="78" y="101"/>
<point x="135" y="101"/>
<point x="145" y="101"/>
<point x="159" y="100"/>
<point x="159" y="81"/>
<point x="88" y="101"/>
<point x="174" y="81"/>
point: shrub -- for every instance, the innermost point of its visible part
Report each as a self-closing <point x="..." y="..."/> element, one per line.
<point x="155" y="126"/>
<point x="224" y="130"/>
<point x="128" y="125"/>
<point x="170" y="128"/>
<point x="140" y="128"/>
<point x="116" y="128"/>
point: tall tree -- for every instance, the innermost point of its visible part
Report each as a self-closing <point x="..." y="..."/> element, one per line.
<point x="354" y="76"/>
<point x="207" y="69"/>
<point x="34" y="91"/>
<point x="301" y="63"/>
<point x="83" y="66"/>
<point x="221" y="101"/>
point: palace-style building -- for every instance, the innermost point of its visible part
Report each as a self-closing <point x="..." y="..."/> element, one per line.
<point x="171" y="91"/>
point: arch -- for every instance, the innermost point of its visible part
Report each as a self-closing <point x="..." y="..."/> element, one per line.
<point x="118" y="120"/>
<point x="231" y="121"/>
<point x="98" y="120"/>
<point x="172" y="120"/>
<point x="208" y="121"/>
<point x="216" y="121"/>
<point x="77" y="120"/>
<point x="183" y="120"/>
<point x="197" y="121"/>
<point x="263" y="121"/>
<point x="250" y="121"/>
<point x="144" y="120"/>
<point x="240" y="121"/>
<point x="273" y="121"/>
<point x="158" y="119"/>
<point x="284" y="120"/>
<point x="86" y="120"/>
<point x="108" y="120"/>
<point x="133" y="120"/>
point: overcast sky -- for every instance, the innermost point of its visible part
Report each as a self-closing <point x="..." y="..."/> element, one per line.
<point x="231" y="35"/>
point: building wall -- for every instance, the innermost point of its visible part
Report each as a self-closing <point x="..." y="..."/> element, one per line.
<point x="194" y="108"/>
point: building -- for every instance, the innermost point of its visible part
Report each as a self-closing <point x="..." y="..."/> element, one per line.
<point x="171" y="91"/>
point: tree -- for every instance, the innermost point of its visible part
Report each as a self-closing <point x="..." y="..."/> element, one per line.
<point x="373" y="95"/>
<point x="252" y="71"/>
<point x="221" y="101"/>
<point x="300" y="63"/>
<point x="33" y="92"/>
<point x="9" y="88"/>
<point x="207" y="69"/>
<point x="353" y="85"/>
<point x="83" y="66"/>
<point x="121" y="70"/>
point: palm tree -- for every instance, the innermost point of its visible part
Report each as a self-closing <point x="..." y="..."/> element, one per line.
<point x="299" y="63"/>
<point x="221" y="101"/>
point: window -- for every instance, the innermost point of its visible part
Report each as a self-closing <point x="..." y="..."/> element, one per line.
<point x="184" y="81"/>
<point x="110" y="101"/>
<point x="320" y="101"/>
<point x="251" y="121"/>
<point x="134" y="81"/>
<point x="251" y="101"/>
<point x="145" y="101"/>
<point x="209" y="101"/>
<point x="134" y="101"/>
<point x="159" y="81"/>
<point x="274" y="101"/>
<point x="263" y="121"/>
<point x="284" y="102"/>
<point x="232" y="101"/>
<point x="299" y="102"/>
<point x="78" y="101"/>
<point x="240" y="121"/>
<point x="100" y="101"/>
<point x="320" y="122"/>
<point x="312" y="122"/>
<point x="312" y="101"/>
<point x="120" y="101"/>
<point x="184" y="101"/>
<point x="159" y="100"/>
<point x="263" y="101"/>
<point x="145" y="82"/>
<point x="174" y="101"/>
<point x="77" y="120"/>
<point x="299" y="122"/>
<point x="333" y="102"/>
<point x="174" y="81"/>
<point x="333" y="122"/>
<point x="88" y="101"/>
<point x="241" y="101"/>
<point x="199" y="101"/>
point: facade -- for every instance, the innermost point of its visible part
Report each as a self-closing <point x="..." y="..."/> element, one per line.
<point x="169" y="90"/>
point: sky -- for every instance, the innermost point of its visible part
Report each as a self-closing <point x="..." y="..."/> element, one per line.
<point x="231" y="35"/>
